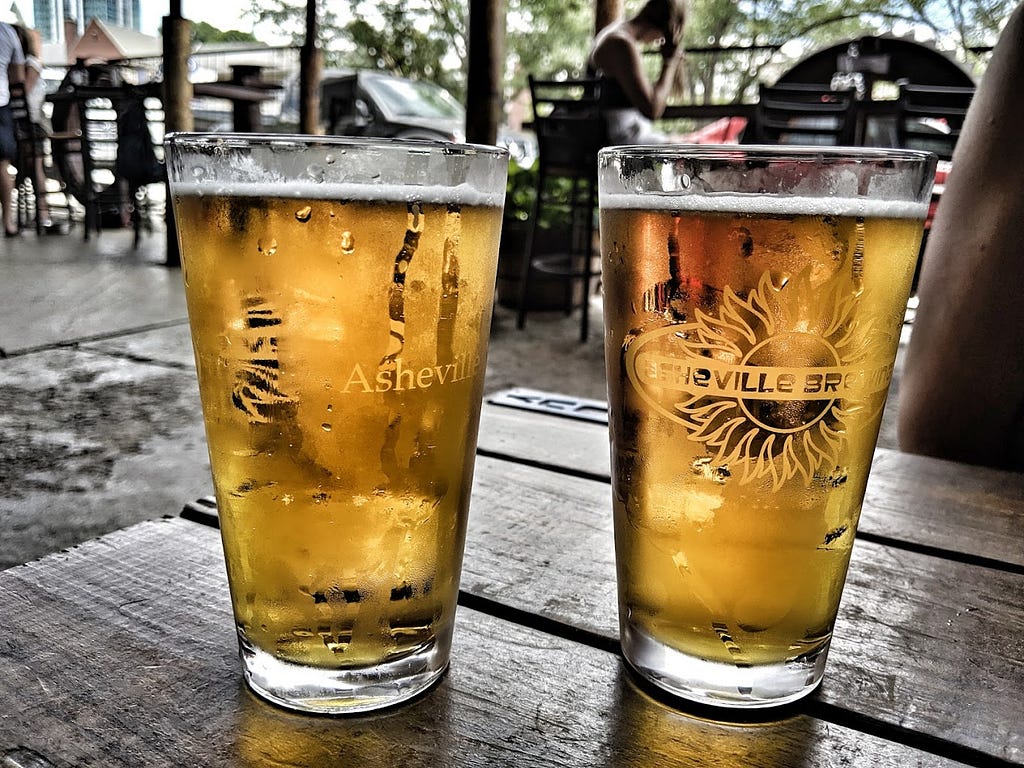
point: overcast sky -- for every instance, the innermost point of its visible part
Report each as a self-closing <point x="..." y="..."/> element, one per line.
<point x="223" y="14"/>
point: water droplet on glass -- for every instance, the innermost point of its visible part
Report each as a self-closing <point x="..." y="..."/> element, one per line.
<point x="315" y="172"/>
<point x="330" y="408"/>
<point x="269" y="248"/>
<point x="304" y="214"/>
<point x="348" y="242"/>
<point x="329" y="159"/>
<point x="325" y="427"/>
<point x="199" y="172"/>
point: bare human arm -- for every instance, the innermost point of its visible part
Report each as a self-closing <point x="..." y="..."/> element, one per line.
<point x="15" y="56"/>
<point x="962" y="390"/>
<point x="30" y="77"/>
<point x="619" y="57"/>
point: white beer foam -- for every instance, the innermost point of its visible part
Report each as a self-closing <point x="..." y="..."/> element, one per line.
<point x="462" y="194"/>
<point x="766" y="204"/>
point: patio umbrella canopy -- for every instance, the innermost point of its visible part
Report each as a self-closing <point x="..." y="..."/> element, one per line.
<point x="880" y="58"/>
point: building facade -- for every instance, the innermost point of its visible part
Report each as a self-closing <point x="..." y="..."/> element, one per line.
<point x="50" y="16"/>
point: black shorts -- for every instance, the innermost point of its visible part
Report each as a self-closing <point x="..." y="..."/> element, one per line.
<point x="8" y="140"/>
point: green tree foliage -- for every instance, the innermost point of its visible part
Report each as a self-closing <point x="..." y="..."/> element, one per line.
<point x="956" y="27"/>
<point x="207" y="33"/>
<point x="427" y="38"/>
<point x="547" y="37"/>
<point x="423" y="39"/>
<point x="288" y="17"/>
<point x="755" y="31"/>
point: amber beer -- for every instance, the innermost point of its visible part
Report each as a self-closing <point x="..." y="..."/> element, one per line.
<point x="340" y="335"/>
<point x="750" y="344"/>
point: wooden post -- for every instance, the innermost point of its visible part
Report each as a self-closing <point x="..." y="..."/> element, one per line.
<point x="310" y="65"/>
<point x="605" y="12"/>
<point x="177" y="97"/>
<point x="177" y="45"/>
<point x="246" y="114"/>
<point x="485" y="100"/>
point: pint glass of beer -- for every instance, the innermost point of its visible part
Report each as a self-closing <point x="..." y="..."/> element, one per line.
<point x="754" y="298"/>
<point x="339" y="294"/>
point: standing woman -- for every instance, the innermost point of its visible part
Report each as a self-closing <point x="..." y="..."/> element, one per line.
<point x="12" y="71"/>
<point x="35" y="95"/>
<point x="629" y="100"/>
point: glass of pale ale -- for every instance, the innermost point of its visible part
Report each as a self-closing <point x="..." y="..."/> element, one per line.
<point x="753" y="299"/>
<point x="339" y="295"/>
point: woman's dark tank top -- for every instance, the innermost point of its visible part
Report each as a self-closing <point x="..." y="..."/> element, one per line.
<point x="612" y="95"/>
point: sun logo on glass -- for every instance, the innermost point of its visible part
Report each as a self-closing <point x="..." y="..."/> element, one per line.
<point x="772" y="383"/>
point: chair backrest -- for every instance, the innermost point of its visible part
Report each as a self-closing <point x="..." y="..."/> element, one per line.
<point x="568" y="123"/>
<point x="930" y="117"/>
<point x="99" y="116"/>
<point x="803" y="114"/>
<point x="136" y="160"/>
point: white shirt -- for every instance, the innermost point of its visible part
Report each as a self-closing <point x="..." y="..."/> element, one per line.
<point x="10" y="53"/>
<point x="37" y="95"/>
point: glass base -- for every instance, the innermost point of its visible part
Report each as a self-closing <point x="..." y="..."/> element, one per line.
<point x="341" y="691"/>
<point x="716" y="684"/>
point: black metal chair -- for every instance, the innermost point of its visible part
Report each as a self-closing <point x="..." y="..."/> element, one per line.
<point x="34" y="142"/>
<point x="570" y="130"/>
<point x="803" y="114"/>
<point x="95" y="163"/>
<point x="930" y="117"/>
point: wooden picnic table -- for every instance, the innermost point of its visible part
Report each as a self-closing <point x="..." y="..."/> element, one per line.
<point x="122" y="652"/>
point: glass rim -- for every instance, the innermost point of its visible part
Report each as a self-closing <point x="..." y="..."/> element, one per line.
<point x="765" y="152"/>
<point x="190" y="139"/>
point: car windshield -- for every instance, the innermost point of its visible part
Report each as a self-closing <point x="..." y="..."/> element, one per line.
<point x="411" y="98"/>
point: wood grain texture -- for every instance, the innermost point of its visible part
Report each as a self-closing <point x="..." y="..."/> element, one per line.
<point x="121" y="652"/>
<point x="913" y="499"/>
<point x="975" y="510"/>
<point x="921" y="643"/>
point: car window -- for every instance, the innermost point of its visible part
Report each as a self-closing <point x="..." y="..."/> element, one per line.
<point x="409" y="98"/>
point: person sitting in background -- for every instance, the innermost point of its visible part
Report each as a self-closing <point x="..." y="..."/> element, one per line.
<point x="35" y="96"/>
<point x="629" y="100"/>
<point x="962" y="388"/>
<point x="12" y="72"/>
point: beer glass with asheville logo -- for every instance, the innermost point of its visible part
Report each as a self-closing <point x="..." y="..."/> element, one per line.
<point x="339" y="293"/>
<point x="754" y="298"/>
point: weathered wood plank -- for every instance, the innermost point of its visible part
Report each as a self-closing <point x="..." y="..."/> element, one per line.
<point x="974" y="510"/>
<point x="561" y="442"/>
<point x="915" y="499"/>
<point x="922" y="642"/>
<point x="120" y="652"/>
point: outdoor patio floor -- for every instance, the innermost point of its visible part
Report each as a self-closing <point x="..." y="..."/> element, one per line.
<point x="100" y="424"/>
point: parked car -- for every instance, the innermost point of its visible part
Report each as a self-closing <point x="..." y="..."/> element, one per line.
<point x="369" y="103"/>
